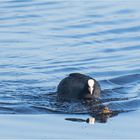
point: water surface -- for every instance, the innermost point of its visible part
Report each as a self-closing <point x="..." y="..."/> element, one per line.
<point x="41" y="42"/>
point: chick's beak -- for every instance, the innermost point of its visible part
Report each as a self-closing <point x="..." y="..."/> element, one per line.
<point x="90" y="90"/>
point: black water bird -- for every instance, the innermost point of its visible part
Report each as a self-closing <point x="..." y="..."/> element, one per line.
<point x="78" y="86"/>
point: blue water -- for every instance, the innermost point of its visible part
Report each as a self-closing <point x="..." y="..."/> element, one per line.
<point x="41" y="42"/>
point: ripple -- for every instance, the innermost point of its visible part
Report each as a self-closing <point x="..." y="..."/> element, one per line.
<point x="126" y="79"/>
<point x="43" y="41"/>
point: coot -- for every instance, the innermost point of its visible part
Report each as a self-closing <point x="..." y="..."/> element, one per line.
<point x="78" y="86"/>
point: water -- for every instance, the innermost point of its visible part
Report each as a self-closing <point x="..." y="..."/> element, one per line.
<point x="41" y="42"/>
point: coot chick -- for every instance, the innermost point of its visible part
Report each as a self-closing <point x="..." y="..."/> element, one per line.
<point x="78" y="86"/>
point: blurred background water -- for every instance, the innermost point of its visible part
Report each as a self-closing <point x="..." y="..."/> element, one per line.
<point x="42" y="41"/>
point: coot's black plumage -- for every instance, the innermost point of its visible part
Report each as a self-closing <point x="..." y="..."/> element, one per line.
<point x="78" y="86"/>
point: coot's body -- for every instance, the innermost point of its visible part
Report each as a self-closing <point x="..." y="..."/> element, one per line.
<point x="78" y="86"/>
